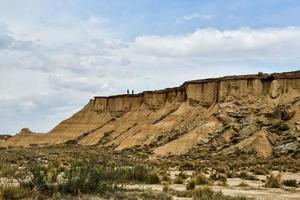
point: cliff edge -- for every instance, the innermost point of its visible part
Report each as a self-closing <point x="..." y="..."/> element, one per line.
<point x="256" y="113"/>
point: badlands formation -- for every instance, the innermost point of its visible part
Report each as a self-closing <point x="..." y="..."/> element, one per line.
<point x="250" y="113"/>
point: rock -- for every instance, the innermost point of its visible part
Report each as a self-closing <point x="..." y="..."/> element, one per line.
<point x="25" y="131"/>
<point x="275" y="89"/>
<point x="225" y="119"/>
<point x="248" y="130"/>
<point x="288" y="147"/>
<point x="273" y="138"/>
<point x="257" y="143"/>
<point x="264" y="121"/>
<point x="228" y="134"/>
<point x="236" y="115"/>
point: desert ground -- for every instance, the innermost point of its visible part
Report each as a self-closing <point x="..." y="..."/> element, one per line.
<point x="77" y="172"/>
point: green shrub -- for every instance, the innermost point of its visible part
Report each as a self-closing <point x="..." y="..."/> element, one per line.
<point x="290" y="183"/>
<point x="82" y="177"/>
<point x="182" y="175"/>
<point x="138" y="172"/>
<point x="187" y="165"/>
<point x="191" y="184"/>
<point x="152" y="178"/>
<point x="205" y="193"/>
<point x="150" y="195"/>
<point x="145" y="195"/>
<point x="8" y="170"/>
<point x="39" y="180"/>
<point x="14" y="193"/>
<point x="200" y="179"/>
<point x="219" y="177"/>
<point x="166" y="178"/>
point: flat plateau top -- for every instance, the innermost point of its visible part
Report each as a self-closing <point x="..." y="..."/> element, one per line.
<point x="260" y="75"/>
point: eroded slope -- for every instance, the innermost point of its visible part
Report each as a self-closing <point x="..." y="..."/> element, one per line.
<point x="253" y="113"/>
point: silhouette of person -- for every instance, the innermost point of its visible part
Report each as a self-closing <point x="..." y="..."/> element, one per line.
<point x="127" y="91"/>
<point x="132" y="92"/>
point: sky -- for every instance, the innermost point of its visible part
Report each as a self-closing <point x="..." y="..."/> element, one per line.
<point x="55" y="55"/>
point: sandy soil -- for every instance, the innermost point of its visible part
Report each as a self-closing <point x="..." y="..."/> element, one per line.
<point x="257" y="193"/>
<point x="254" y="189"/>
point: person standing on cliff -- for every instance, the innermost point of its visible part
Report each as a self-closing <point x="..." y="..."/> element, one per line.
<point x="127" y="91"/>
<point x="132" y="92"/>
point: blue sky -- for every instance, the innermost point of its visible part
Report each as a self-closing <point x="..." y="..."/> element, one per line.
<point x="57" y="54"/>
<point x="138" y="17"/>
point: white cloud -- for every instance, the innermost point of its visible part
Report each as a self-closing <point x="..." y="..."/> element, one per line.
<point x="232" y="44"/>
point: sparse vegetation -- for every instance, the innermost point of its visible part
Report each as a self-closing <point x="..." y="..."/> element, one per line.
<point x="191" y="184"/>
<point x="182" y="175"/>
<point x="187" y="165"/>
<point x="166" y="178"/>
<point x="222" y="178"/>
<point x="200" y="179"/>
<point x="178" y="180"/>
<point x="245" y="175"/>
<point x="71" y="171"/>
<point x="273" y="181"/>
<point x="290" y="183"/>
<point x="152" y="178"/>
<point x="205" y="193"/>
<point x="81" y="177"/>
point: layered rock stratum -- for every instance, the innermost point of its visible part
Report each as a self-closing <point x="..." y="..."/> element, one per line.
<point x="250" y="113"/>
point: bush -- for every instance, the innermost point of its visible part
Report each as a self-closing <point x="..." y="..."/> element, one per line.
<point x="219" y="177"/>
<point x="166" y="178"/>
<point x="191" y="184"/>
<point x="182" y="175"/>
<point x="187" y="165"/>
<point x="138" y="172"/>
<point x="39" y="180"/>
<point x="273" y="181"/>
<point x="145" y="195"/>
<point x="85" y="177"/>
<point x="290" y="183"/>
<point x="11" y="193"/>
<point x="205" y="193"/>
<point x="8" y="171"/>
<point x="82" y="177"/>
<point x="200" y="179"/>
<point x="149" y="195"/>
<point x="178" y="180"/>
<point x="152" y="178"/>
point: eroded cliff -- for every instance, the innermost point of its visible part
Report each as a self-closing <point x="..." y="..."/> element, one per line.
<point x="251" y="113"/>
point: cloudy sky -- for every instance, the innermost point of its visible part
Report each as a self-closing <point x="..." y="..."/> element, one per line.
<point x="57" y="54"/>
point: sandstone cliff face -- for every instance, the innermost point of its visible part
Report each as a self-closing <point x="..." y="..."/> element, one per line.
<point x="245" y="111"/>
